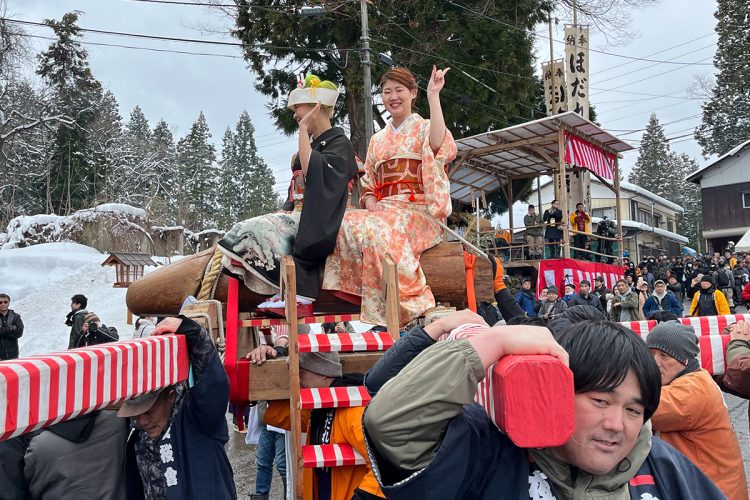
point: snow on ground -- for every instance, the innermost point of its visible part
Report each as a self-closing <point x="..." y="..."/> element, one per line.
<point x="41" y="279"/>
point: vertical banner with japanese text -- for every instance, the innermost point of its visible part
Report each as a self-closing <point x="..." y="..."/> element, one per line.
<point x="555" y="91"/>
<point x="577" y="68"/>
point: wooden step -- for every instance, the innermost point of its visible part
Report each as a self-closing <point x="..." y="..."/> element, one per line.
<point x="345" y="342"/>
<point x="333" y="397"/>
<point x="330" y="455"/>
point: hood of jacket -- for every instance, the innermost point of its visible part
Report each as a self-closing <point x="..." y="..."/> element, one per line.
<point x="611" y="486"/>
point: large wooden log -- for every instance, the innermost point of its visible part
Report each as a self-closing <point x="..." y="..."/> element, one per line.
<point x="161" y="292"/>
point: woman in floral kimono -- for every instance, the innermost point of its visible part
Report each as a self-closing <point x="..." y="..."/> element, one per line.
<point x="405" y="191"/>
<point x="322" y="170"/>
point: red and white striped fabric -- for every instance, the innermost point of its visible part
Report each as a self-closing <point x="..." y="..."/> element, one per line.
<point x="42" y="390"/>
<point x="484" y="389"/>
<point x="345" y="342"/>
<point x="330" y="455"/>
<point x="333" y="397"/>
<point x="581" y="153"/>
<point x="712" y="342"/>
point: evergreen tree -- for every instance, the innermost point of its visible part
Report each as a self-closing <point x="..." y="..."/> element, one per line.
<point x="726" y="115"/>
<point x="255" y="177"/>
<point x="64" y="68"/>
<point x="138" y="175"/>
<point x="109" y="154"/>
<point x="651" y="170"/>
<point x="689" y="198"/>
<point x="230" y="188"/>
<point x="164" y="194"/>
<point x="198" y="177"/>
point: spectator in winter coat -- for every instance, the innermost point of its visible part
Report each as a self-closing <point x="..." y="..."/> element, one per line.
<point x="724" y="280"/>
<point x="11" y="329"/>
<point x="75" y="318"/>
<point x="676" y="288"/>
<point x="570" y="292"/>
<point x="746" y="294"/>
<point x="661" y="300"/>
<point x="534" y="229"/>
<point x="552" y="305"/>
<point x="553" y="219"/>
<point x="692" y="415"/>
<point x="177" y="447"/>
<point x="428" y="439"/>
<point x="80" y="458"/>
<point x="708" y="301"/>
<point x="586" y="298"/>
<point x="144" y="327"/>
<point x="93" y="332"/>
<point x="648" y="276"/>
<point x="625" y="306"/>
<point x="601" y="291"/>
<point x="525" y="298"/>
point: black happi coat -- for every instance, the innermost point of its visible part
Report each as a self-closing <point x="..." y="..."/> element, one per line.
<point x="332" y="165"/>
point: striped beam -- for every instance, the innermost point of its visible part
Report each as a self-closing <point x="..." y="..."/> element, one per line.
<point x="711" y="339"/>
<point x="309" y="320"/>
<point x="38" y="391"/>
<point x="345" y="342"/>
<point x="333" y="397"/>
<point x="330" y="455"/>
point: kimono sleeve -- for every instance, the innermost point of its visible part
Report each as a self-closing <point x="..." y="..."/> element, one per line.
<point x="437" y="187"/>
<point x="368" y="180"/>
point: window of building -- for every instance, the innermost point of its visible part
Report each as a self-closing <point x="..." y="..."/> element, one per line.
<point x="657" y="220"/>
<point x="746" y="200"/>
<point x="601" y="212"/>
<point x="644" y="217"/>
<point x="670" y="226"/>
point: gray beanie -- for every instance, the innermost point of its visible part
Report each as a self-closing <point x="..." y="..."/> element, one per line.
<point x="675" y="339"/>
<point x="327" y="364"/>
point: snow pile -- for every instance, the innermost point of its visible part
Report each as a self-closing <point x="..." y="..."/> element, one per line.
<point x="113" y="208"/>
<point x="41" y="280"/>
<point x="25" y="230"/>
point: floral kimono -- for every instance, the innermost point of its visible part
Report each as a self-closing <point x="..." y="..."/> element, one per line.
<point x="410" y="181"/>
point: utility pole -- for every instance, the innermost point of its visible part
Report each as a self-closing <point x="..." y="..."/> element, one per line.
<point x="367" y="75"/>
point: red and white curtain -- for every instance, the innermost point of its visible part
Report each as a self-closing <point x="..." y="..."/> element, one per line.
<point x="580" y="153"/>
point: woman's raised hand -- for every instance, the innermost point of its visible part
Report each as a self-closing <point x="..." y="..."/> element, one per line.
<point x="437" y="80"/>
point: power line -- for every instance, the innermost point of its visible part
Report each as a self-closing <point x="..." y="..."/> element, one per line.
<point x="531" y="32"/>
<point x="188" y="40"/>
<point x="657" y="64"/>
<point x="619" y="66"/>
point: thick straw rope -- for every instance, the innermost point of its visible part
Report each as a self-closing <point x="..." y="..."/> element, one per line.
<point x="210" y="277"/>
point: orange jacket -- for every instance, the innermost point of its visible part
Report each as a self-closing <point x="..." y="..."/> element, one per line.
<point x="722" y="306"/>
<point x="692" y="417"/>
<point x="346" y="429"/>
<point x="497" y="282"/>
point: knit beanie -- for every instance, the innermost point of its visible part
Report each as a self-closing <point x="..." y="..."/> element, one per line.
<point x="675" y="339"/>
<point x="707" y="278"/>
<point x="327" y="364"/>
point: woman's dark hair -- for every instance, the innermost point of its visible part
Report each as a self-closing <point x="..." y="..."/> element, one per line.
<point x="328" y="327"/>
<point x="400" y="75"/>
<point x="601" y="355"/>
<point x="573" y="315"/>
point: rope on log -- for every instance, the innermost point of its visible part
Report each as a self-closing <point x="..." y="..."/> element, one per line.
<point x="207" y="290"/>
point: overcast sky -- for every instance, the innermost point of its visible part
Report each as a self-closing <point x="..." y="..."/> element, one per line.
<point x="177" y="87"/>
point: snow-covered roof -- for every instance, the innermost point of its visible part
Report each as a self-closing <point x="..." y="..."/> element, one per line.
<point x="647" y="229"/>
<point x="696" y="176"/>
<point x="626" y="186"/>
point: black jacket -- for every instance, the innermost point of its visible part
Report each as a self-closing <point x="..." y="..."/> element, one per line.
<point x="589" y="300"/>
<point x="198" y="464"/>
<point x="11" y="329"/>
<point x="97" y="336"/>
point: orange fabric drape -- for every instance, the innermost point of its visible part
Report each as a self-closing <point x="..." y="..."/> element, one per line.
<point x="471" y="296"/>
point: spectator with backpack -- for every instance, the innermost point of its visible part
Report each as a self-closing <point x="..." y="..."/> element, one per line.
<point x="725" y="282"/>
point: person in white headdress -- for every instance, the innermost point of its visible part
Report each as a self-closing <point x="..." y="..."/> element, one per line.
<point x="322" y="169"/>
